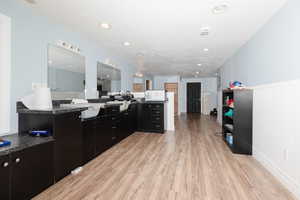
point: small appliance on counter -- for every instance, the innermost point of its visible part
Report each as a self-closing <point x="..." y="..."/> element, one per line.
<point x="155" y="95"/>
<point x="4" y="143"/>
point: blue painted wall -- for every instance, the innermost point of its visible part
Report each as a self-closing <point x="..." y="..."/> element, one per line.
<point x="30" y="36"/>
<point x="272" y="55"/>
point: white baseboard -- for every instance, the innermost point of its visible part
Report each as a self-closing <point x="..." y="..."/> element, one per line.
<point x="285" y="179"/>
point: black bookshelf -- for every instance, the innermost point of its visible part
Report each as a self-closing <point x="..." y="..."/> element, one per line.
<point x="237" y="129"/>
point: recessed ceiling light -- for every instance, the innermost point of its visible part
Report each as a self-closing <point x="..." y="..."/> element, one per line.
<point x="31" y="1"/>
<point x="126" y="44"/>
<point x="105" y="25"/>
<point x="205" y="49"/>
<point x="197" y="72"/>
<point x="138" y="74"/>
<point x="199" y="64"/>
<point x="50" y="62"/>
<point x="107" y="75"/>
<point x="220" y="8"/>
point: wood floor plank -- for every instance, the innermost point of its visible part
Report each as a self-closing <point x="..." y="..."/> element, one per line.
<point x="191" y="163"/>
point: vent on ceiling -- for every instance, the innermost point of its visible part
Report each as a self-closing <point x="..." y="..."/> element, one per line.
<point x="204" y="31"/>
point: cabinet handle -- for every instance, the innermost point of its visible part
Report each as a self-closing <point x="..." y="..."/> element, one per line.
<point x="114" y="138"/>
<point x="113" y="118"/>
<point x="5" y="164"/>
<point x="18" y="160"/>
<point x="114" y="127"/>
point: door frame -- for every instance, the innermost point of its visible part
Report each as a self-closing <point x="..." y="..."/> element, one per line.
<point x="187" y="110"/>
<point x="178" y="104"/>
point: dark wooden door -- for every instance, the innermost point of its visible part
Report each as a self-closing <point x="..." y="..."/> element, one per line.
<point x="4" y="174"/>
<point x="31" y="171"/>
<point x="193" y="97"/>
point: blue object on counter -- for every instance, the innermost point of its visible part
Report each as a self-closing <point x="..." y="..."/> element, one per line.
<point x="40" y="133"/>
<point x="4" y="143"/>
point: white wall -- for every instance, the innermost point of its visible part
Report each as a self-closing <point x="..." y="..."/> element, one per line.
<point x="5" y="70"/>
<point x="31" y="35"/>
<point x="208" y="85"/>
<point x="272" y="56"/>
<point x="159" y="81"/>
<point x="276" y="137"/>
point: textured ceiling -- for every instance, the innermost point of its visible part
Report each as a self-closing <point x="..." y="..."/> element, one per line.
<point x="165" y="34"/>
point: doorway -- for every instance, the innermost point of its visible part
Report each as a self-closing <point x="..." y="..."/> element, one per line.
<point x="138" y="87"/>
<point x="193" y="101"/>
<point x="148" y="84"/>
<point x="173" y="87"/>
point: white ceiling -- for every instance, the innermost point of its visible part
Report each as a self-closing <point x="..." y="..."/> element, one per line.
<point x="165" y="34"/>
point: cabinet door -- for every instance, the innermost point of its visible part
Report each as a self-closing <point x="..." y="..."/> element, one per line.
<point x="31" y="171"/>
<point x="125" y="125"/>
<point x="4" y="176"/>
<point x="89" y="144"/>
<point x="103" y="135"/>
<point x="133" y="118"/>
<point x="68" y="144"/>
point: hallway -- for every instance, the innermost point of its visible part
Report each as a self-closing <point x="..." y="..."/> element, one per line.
<point x="191" y="163"/>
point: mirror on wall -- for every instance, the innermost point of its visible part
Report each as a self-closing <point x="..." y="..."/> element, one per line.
<point x="66" y="73"/>
<point x="108" y="79"/>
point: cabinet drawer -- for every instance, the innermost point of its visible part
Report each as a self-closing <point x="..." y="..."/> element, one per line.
<point x="156" y="113"/>
<point x="157" y="118"/>
<point x="113" y="110"/>
<point x="154" y="107"/>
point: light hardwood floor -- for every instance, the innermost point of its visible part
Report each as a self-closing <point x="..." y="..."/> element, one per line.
<point x="189" y="164"/>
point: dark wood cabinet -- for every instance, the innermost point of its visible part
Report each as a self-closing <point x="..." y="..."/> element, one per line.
<point x="104" y="137"/>
<point x="67" y="131"/>
<point x="4" y="176"/>
<point x="88" y="140"/>
<point x="32" y="171"/>
<point x="151" y="117"/>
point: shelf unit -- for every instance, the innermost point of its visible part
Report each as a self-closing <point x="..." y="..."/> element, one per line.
<point x="239" y="126"/>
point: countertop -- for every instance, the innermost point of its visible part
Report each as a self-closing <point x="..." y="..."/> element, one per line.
<point x="22" y="141"/>
<point x="54" y="111"/>
<point x="152" y="102"/>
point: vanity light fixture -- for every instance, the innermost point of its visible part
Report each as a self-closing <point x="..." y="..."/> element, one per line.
<point x="199" y="64"/>
<point x="197" y="72"/>
<point x="205" y="49"/>
<point x="105" y="26"/>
